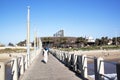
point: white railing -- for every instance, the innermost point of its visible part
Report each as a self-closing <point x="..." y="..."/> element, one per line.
<point x="15" y="67"/>
<point x="12" y="69"/>
<point x="79" y="64"/>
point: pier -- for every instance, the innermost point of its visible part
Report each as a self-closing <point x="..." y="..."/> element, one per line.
<point x="52" y="70"/>
<point x="61" y="65"/>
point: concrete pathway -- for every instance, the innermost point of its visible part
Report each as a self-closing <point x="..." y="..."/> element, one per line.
<point x="53" y="70"/>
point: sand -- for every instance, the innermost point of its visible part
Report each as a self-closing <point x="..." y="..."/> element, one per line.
<point x="108" y="55"/>
<point x="7" y="56"/>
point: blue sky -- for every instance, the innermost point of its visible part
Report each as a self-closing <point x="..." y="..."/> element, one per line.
<point x="77" y="18"/>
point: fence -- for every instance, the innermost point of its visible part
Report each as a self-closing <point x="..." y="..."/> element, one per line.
<point x="79" y="64"/>
<point x="13" y="68"/>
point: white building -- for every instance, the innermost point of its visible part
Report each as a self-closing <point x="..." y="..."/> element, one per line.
<point x="90" y="39"/>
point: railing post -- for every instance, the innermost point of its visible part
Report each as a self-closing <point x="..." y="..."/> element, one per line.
<point x="75" y="61"/>
<point x="15" y="69"/>
<point x="79" y="63"/>
<point x="118" y="71"/>
<point x="72" y="61"/>
<point x="69" y="59"/>
<point x="60" y="55"/>
<point x="57" y="55"/>
<point x="99" y="68"/>
<point x="26" y="66"/>
<point x="2" y="71"/>
<point x="65" y="58"/>
<point x="84" y="66"/>
<point x="22" y="65"/>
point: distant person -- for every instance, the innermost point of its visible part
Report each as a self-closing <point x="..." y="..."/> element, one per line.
<point x="45" y="55"/>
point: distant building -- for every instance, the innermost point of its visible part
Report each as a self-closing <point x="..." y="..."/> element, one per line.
<point x="60" y="33"/>
<point x="90" y="40"/>
<point x="110" y="42"/>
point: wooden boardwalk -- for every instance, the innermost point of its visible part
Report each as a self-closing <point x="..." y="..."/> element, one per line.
<point x="53" y="70"/>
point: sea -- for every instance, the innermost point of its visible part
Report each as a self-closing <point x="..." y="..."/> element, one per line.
<point x="110" y="71"/>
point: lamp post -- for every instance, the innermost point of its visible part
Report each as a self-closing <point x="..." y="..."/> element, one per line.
<point x="35" y="42"/>
<point x="28" y="36"/>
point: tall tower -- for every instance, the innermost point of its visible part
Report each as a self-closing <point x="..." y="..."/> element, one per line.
<point x="28" y="36"/>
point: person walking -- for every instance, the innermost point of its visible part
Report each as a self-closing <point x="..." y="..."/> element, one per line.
<point x="45" y="55"/>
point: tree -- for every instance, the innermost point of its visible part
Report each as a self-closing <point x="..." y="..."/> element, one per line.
<point x="62" y="41"/>
<point x="81" y="41"/>
<point x="104" y="40"/>
<point x="98" y="42"/>
<point x="47" y="41"/>
<point x="10" y="44"/>
<point x="116" y="40"/>
<point x="22" y="43"/>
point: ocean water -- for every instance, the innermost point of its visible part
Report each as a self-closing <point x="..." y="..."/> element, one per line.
<point x="8" y="72"/>
<point x="110" y="71"/>
<point x="112" y="76"/>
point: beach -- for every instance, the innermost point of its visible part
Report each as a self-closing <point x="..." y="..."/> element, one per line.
<point x="7" y="56"/>
<point x="107" y="55"/>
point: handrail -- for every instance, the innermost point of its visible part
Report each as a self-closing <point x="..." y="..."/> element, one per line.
<point x="91" y="57"/>
<point x="9" y="61"/>
<point x="108" y="77"/>
<point x="78" y="62"/>
<point x="17" y="64"/>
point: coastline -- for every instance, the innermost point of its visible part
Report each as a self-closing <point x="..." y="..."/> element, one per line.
<point x="107" y="55"/>
<point x="7" y="56"/>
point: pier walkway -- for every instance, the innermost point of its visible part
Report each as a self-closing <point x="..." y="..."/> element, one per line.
<point x="53" y="70"/>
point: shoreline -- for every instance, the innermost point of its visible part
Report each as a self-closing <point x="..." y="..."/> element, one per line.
<point x="108" y="55"/>
<point x="7" y="56"/>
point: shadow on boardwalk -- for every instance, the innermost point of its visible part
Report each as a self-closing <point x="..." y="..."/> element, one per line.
<point x="53" y="70"/>
<point x="76" y="73"/>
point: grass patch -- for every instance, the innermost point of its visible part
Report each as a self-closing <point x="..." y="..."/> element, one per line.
<point x="9" y="50"/>
<point x="87" y="48"/>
